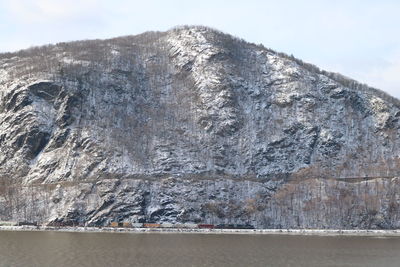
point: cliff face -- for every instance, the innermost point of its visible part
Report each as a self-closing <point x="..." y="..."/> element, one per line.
<point x="192" y="125"/>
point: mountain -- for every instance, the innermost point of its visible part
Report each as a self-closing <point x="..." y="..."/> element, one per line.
<point x="192" y="125"/>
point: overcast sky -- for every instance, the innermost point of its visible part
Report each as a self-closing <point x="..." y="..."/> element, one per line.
<point x="358" y="38"/>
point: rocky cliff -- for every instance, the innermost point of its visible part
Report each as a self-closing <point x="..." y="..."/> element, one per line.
<point x="192" y="125"/>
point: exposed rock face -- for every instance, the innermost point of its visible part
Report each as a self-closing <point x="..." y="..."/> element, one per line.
<point x="192" y="125"/>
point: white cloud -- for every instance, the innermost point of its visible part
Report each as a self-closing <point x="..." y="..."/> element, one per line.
<point x="386" y="77"/>
<point x="29" y="11"/>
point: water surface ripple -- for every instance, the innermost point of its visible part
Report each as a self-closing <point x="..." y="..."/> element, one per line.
<point x="116" y="249"/>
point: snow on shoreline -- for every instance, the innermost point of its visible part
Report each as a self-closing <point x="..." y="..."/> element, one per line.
<point x="315" y="232"/>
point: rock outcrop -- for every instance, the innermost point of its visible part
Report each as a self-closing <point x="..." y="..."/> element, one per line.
<point x="192" y="125"/>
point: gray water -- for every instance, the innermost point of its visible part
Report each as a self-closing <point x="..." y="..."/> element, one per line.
<point x="116" y="249"/>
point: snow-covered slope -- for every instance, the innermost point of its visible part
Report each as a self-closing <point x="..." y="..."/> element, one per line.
<point x="103" y="126"/>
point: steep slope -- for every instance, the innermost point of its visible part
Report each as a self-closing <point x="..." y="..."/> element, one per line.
<point x="192" y="125"/>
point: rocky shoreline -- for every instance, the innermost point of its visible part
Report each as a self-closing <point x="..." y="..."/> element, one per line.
<point x="314" y="232"/>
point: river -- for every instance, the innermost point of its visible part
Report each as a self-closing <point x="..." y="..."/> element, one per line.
<point x="155" y="249"/>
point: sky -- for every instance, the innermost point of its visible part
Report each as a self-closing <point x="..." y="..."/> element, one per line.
<point x="358" y="38"/>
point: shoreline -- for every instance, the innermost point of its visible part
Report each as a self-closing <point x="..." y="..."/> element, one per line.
<point x="302" y="232"/>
